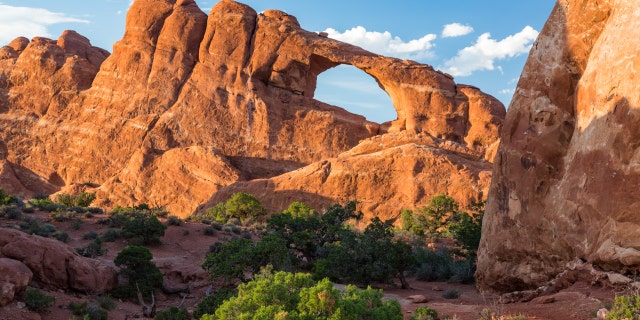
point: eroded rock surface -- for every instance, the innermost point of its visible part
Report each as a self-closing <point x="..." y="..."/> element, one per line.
<point x="566" y="174"/>
<point x="55" y="264"/>
<point x="189" y="103"/>
<point x="14" y="278"/>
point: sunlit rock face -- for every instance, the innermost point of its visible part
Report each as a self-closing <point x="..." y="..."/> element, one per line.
<point x="566" y="175"/>
<point x="189" y="103"/>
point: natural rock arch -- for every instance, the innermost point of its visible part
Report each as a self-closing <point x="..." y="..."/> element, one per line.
<point x="357" y="92"/>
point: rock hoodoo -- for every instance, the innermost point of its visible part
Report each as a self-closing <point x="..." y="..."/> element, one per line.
<point x="188" y="104"/>
<point x="566" y="176"/>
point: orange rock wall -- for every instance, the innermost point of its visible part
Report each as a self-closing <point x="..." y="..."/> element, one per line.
<point x="566" y="174"/>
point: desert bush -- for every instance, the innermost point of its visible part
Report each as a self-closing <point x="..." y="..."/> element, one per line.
<point x="144" y="228"/>
<point x="7" y="199"/>
<point x="87" y="311"/>
<point x="28" y="209"/>
<point x="451" y="294"/>
<point x="106" y="302"/>
<point x="300" y="210"/>
<point x="466" y="228"/>
<point x="173" y="313"/>
<point x="90" y="235"/>
<point x="241" y="206"/>
<point x="139" y="271"/>
<point x="44" y="204"/>
<point x="185" y="232"/>
<point x="283" y="295"/>
<point x="76" y="224"/>
<point x="625" y="307"/>
<point x="10" y="212"/>
<point x="111" y="235"/>
<point x="174" y="221"/>
<point x="79" y="200"/>
<point x="93" y="249"/>
<point x="209" y="231"/>
<point x="424" y="313"/>
<point x="62" y="236"/>
<point x="61" y="216"/>
<point x="38" y="301"/>
<point x="210" y="303"/>
<point x="95" y="210"/>
<point x="77" y="209"/>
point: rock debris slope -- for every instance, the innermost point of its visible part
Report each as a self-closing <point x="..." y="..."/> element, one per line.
<point x="566" y="176"/>
<point x="190" y="103"/>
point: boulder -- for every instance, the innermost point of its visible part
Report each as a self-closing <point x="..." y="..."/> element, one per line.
<point x="55" y="264"/>
<point x="14" y="278"/>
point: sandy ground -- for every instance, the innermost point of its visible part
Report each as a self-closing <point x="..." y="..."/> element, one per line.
<point x="184" y="247"/>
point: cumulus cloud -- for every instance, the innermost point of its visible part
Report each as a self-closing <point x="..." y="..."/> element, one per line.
<point x="29" y="22"/>
<point x="456" y="30"/>
<point x="486" y="51"/>
<point x="386" y="44"/>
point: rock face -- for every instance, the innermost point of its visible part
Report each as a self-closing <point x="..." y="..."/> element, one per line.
<point x="188" y="103"/>
<point x="566" y="174"/>
<point x="14" y="278"/>
<point x="55" y="264"/>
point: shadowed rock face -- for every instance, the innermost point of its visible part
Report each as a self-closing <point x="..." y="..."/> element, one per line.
<point x="566" y="174"/>
<point x="189" y="103"/>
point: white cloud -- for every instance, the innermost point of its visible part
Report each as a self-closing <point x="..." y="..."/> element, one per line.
<point x="386" y="44"/>
<point x="483" y="54"/>
<point x="456" y="30"/>
<point x="29" y="22"/>
<point x="507" y="91"/>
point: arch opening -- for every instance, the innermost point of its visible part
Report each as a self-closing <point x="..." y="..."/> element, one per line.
<point x="352" y="89"/>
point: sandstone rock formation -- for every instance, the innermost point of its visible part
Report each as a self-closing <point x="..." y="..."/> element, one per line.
<point x="55" y="264"/>
<point x="188" y="103"/>
<point x="566" y="174"/>
<point x="14" y="278"/>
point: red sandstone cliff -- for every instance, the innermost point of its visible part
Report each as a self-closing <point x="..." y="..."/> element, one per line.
<point x="188" y="104"/>
<point x="566" y="174"/>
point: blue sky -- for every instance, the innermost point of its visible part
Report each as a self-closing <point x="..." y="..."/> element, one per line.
<point x="481" y="43"/>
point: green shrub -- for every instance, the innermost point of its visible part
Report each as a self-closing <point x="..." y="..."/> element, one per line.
<point x="90" y="235"/>
<point x="61" y="216"/>
<point x="44" y="204"/>
<point x="209" y="231"/>
<point x="174" y="221"/>
<point x="76" y="224"/>
<point x="139" y="272"/>
<point x="106" y="302"/>
<point x="88" y="312"/>
<point x="77" y="209"/>
<point x="11" y="212"/>
<point x="210" y="303"/>
<point x="424" y="313"/>
<point x="28" y="209"/>
<point x="79" y="200"/>
<point x="625" y="307"/>
<point x="144" y="227"/>
<point x="466" y="228"/>
<point x="185" y="232"/>
<point x="111" y="235"/>
<point x="62" y="236"/>
<point x="93" y="250"/>
<point x="451" y="294"/>
<point x="95" y="210"/>
<point x="38" y="301"/>
<point x="283" y="295"/>
<point x="173" y="313"/>
<point x="7" y="199"/>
